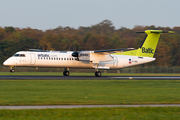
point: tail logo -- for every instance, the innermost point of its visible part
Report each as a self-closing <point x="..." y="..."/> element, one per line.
<point x="147" y="50"/>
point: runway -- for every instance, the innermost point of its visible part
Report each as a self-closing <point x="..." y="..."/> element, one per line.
<point x="21" y="77"/>
<point x="84" y="106"/>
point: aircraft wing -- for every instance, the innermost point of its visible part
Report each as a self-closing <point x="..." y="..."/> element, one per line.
<point x="99" y="55"/>
<point x="110" y="51"/>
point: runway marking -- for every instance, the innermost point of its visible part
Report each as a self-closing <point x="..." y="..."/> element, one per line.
<point x="84" y="106"/>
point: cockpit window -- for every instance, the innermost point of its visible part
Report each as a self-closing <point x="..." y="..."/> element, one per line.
<point x="16" y="55"/>
<point x="19" y="55"/>
<point x="22" y="55"/>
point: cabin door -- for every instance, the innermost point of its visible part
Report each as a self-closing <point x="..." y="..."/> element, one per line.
<point x="33" y="59"/>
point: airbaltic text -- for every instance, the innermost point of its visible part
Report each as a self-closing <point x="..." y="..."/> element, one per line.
<point x="147" y="50"/>
<point x="46" y="55"/>
<point x="84" y="54"/>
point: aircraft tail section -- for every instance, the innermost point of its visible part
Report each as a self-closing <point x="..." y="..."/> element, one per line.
<point x="148" y="46"/>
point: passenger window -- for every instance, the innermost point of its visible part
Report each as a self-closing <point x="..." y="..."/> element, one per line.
<point x="72" y="58"/>
<point x="64" y="58"/>
<point x="61" y="58"/>
<point x="69" y="58"/>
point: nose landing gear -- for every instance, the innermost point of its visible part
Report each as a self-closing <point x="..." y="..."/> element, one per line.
<point x="66" y="72"/>
<point x="12" y="70"/>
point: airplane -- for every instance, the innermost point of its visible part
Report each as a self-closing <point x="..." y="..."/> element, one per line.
<point x="98" y="59"/>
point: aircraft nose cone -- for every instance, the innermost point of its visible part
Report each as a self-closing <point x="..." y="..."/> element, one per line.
<point x="7" y="63"/>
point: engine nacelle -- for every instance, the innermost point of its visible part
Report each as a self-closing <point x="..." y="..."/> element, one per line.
<point x="75" y="54"/>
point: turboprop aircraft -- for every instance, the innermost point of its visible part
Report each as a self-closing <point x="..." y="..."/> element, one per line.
<point x="98" y="59"/>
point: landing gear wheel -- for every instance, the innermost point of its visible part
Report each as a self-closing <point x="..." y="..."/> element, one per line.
<point x="98" y="74"/>
<point x="66" y="73"/>
<point x="12" y="70"/>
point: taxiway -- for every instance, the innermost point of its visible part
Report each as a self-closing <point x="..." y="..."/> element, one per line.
<point x="84" y="106"/>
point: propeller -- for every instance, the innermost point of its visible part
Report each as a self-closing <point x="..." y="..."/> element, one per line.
<point x="75" y="54"/>
<point x="76" y="45"/>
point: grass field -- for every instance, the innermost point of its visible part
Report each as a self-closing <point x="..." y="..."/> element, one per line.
<point x="56" y="92"/>
<point x="140" y="113"/>
<point x="89" y="74"/>
<point x="53" y="92"/>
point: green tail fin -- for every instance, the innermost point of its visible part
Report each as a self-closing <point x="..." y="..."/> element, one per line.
<point x="148" y="46"/>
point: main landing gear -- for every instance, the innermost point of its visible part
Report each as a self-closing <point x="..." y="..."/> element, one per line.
<point x="97" y="73"/>
<point x="66" y="72"/>
<point x="12" y="70"/>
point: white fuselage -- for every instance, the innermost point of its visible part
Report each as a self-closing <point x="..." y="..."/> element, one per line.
<point x="65" y="59"/>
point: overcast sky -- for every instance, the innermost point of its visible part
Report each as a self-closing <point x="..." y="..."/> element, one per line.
<point x="49" y="14"/>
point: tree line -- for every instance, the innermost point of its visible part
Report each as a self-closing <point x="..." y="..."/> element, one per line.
<point x="96" y="37"/>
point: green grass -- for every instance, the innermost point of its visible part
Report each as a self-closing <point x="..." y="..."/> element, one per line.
<point x="56" y="92"/>
<point x="51" y="92"/>
<point x="90" y="74"/>
<point x="139" y="113"/>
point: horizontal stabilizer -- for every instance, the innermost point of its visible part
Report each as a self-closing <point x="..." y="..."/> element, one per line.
<point x="156" y="31"/>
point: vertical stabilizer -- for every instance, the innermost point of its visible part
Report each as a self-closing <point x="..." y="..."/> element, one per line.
<point x="148" y="46"/>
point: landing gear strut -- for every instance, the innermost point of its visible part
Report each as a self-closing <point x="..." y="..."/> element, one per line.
<point x="66" y="72"/>
<point x="97" y="73"/>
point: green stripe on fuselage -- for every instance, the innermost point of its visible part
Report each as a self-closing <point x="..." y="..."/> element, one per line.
<point x="131" y="52"/>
